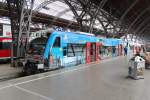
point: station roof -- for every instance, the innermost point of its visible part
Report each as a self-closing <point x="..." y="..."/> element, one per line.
<point x="133" y="15"/>
<point x="55" y="8"/>
<point x="59" y="9"/>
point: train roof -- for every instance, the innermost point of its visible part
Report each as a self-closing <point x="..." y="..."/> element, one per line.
<point x="111" y="41"/>
<point x="90" y="34"/>
<point x="73" y="37"/>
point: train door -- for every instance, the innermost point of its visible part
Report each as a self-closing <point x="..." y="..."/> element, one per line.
<point x="92" y="52"/>
<point x="88" y="54"/>
<point x="97" y="57"/>
<point x="56" y="53"/>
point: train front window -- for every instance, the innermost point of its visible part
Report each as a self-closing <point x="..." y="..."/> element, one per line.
<point x="37" y="46"/>
<point x="5" y="45"/>
<point x="57" y="42"/>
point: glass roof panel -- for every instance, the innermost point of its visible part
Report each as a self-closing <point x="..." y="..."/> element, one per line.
<point x="56" y="8"/>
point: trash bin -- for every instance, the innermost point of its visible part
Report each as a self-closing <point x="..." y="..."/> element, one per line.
<point x="136" y="67"/>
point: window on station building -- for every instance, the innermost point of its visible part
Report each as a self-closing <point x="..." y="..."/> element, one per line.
<point x="57" y="42"/>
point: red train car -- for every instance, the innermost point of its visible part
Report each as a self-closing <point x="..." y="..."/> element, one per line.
<point x="5" y="48"/>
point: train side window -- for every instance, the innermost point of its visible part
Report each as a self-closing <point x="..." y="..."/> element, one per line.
<point x="57" y="42"/>
<point x="1" y="30"/>
<point x="6" y="45"/>
<point x="1" y="45"/>
<point x="64" y="51"/>
<point x="70" y="51"/>
<point x="1" y="34"/>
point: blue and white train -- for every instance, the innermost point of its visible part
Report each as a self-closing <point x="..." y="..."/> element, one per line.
<point x="59" y="49"/>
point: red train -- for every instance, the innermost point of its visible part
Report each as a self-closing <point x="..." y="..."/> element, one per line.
<point x="5" y="48"/>
<point x="5" y="41"/>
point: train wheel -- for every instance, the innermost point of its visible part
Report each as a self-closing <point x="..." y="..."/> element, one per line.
<point x="30" y="69"/>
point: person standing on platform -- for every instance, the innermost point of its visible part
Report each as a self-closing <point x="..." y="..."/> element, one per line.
<point x="125" y="51"/>
<point x="113" y="51"/>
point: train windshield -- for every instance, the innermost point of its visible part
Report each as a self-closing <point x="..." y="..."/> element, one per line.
<point x="4" y="45"/>
<point x="37" y="46"/>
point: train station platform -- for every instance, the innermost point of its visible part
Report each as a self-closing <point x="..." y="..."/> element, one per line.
<point x="106" y="80"/>
<point x="7" y="72"/>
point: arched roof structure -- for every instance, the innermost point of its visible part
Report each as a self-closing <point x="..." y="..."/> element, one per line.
<point x="115" y="16"/>
<point x="110" y="16"/>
